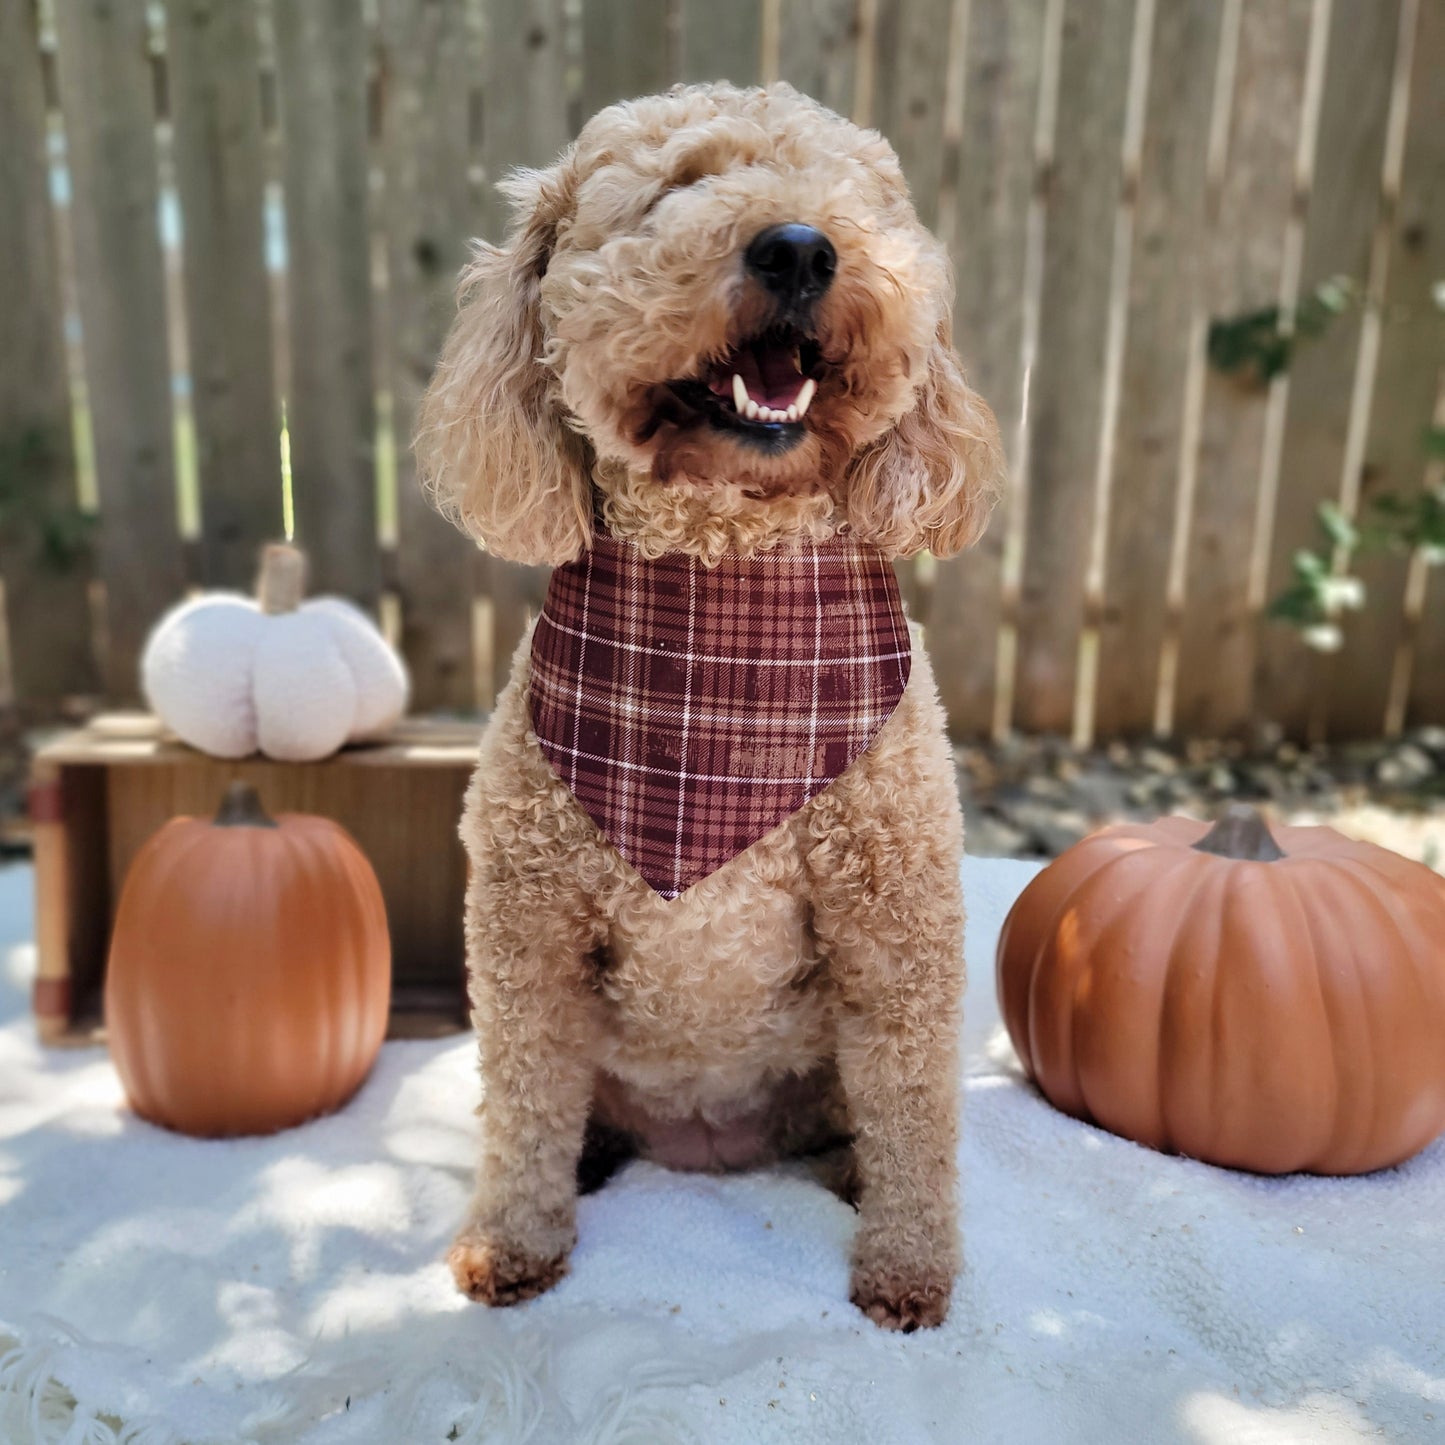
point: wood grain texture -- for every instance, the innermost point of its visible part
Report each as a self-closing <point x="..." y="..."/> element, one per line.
<point x="1213" y="694"/>
<point x="626" y="51"/>
<point x="1343" y="205"/>
<point x="431" y="211"/>
<point x="215" y="90"/>
<point x="911" y="48"/>
<point x="525" y="124"/>
<point x="1412" y="355"/>
<point x="818" y="49"/>
<point x="47" y="618"/>
<point x="1167" y="258"/>
<point x="399" y="800"/>
<point x="722" y="42"/>
<point x="1426" y="704"/>
<point x="1003" y="65"/>
<point x="106" y="96"/>
<point x="1067" y="391"/>
<point x="321" y="61"/>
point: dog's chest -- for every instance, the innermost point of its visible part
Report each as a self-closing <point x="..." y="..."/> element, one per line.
<point x="712" y="985"/>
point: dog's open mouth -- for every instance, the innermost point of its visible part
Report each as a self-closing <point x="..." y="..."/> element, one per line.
<point x="761" y="390"/>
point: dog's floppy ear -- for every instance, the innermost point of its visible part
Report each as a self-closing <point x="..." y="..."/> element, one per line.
<point x="493" y="447"/>
<point x="934" y="478"/>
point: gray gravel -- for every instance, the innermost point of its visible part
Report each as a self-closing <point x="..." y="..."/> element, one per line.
<point x="1035" y="797"/>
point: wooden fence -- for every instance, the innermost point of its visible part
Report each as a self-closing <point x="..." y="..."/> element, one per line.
<point x="1111" y="175"/>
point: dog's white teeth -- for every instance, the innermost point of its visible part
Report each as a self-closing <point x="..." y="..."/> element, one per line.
<point x="754" y="411"/>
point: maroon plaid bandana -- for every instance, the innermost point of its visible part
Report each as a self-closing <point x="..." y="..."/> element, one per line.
<point x="692" y="709"/>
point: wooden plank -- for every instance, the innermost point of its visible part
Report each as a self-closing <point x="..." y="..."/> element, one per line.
<point x="106" y="96"/>
<point x="524" y="124"/>
<point x="430" y="212"/>
<point x="1426" y="704"/>
<point x="722" y="42"/>
<point x="818" y="49"/>
<point x="1067" y="390"/>
<point x="215" y="91"/>
<point x="73" y="900"/>
<point x="626" y="49"/>
<point x="1412" y="351"/>
<point x="1165" y="270"/>
<point x="1343" y="205"/>
<point x="911" y="47"/>
<point x="321" y="57"/>
<point x="44" y="554"/>
<point x="909" y="59"/>
<point x="1213" y="694"/>
<point x="100" y="793"/>
<point x="1003" y="59"/>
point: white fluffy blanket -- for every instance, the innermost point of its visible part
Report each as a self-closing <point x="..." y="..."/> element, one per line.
<point x="156" y="1289"/>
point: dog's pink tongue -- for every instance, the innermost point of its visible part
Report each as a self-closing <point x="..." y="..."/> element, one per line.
<point x="768" y="373"/>
<point x="770" y="376"/>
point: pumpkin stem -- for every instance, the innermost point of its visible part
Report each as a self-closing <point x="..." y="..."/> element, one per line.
<point x="241" y="808"/>
<point x="282" y="580"/>
<point x="1241" y="833"/>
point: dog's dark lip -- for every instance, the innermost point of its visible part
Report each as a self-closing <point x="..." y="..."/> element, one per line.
<point x="772" y="437"/>
<point x="708" y="397"/>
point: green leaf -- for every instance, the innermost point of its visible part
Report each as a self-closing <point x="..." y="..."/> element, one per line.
<point x="1338" y="527"/>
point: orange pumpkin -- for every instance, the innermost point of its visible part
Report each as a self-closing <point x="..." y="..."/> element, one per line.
<point x="250" y="971"/>
<point x="1266" y="1002"/>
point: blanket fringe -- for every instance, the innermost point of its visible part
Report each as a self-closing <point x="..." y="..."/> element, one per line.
<point x="36" y="1409"/>
<point x="508" y="1397"/>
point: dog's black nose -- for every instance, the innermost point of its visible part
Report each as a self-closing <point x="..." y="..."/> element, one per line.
<point x="795" y="262"/>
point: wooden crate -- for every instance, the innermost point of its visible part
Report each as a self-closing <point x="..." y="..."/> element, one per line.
<point x="100" y="792"/>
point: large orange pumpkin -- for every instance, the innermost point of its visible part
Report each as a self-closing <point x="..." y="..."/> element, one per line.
<point x="1267" y="1002"/>
<point x="250" y="971"/>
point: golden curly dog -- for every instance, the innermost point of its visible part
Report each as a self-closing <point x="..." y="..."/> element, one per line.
<point x="806" y="996"/>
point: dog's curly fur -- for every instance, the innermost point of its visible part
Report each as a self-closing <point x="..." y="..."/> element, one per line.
<point x="806" y="996"/>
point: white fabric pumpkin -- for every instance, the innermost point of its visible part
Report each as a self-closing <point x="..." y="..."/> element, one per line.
<point x="291" y="679"/>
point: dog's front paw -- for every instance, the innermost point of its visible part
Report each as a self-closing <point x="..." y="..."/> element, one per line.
<point x="493" y="1274"/>
<point x="901" y="1299"/>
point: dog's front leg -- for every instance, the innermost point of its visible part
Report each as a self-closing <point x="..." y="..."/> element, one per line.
<point x="532" y="1010"/>
<point x="889" y="915"/>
